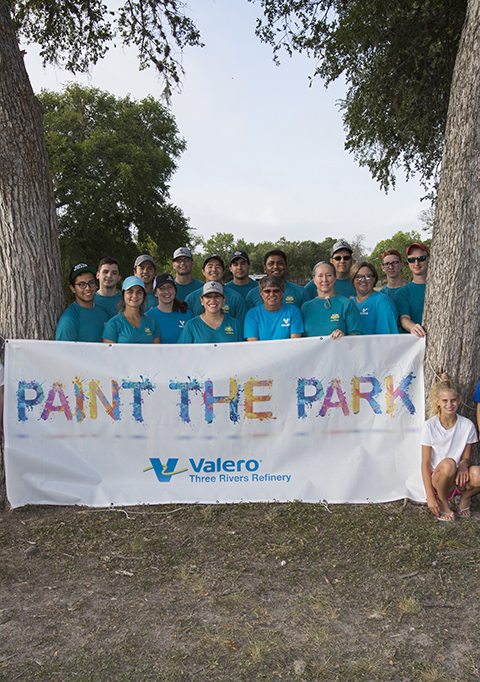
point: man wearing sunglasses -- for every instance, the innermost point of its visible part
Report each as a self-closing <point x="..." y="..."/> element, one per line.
<point x="411" y="297"/>
<point x="341" y="257"/>
<point x="274" y="319"/>
<point x="83" y="320"/>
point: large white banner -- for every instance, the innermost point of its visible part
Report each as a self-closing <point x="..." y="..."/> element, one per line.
<point x="308" y="419"/>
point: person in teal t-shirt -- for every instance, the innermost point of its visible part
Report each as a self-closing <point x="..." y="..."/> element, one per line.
<point x="411" y="297"/>
<point x="108" y="297"/>
<point x="329" y="314"/>
<point x="82" y="320"/>
<point x="144" y="268"/>
<point x="275" y="263"/>
<point x="274" y="319"/>
<point x="171" y="314"/>
<point x="240" y="268"/>
<point x="183" y="263"/>
<point x="212" y="326"/>
<point x="132" y="325"/>
<point x="377" y="312"/>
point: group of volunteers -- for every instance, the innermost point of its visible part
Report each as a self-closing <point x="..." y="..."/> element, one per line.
<point x="340" y="300"/>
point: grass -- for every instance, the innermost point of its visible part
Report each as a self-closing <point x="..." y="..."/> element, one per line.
<point x="238" y="593"/>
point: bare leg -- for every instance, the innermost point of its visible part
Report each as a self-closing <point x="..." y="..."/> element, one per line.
<point x="471" y="489"/>
<point x="443" y="480"/>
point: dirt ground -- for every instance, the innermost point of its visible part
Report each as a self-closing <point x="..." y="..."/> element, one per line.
<point x="241" y="592"/>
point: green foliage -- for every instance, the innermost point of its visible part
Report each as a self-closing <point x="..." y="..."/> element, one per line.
<point x="400" y="241"/>
<point x="397" y="57"/>
<point x="111" y="162"/>
<point x="301" y="256"/>
<point x="77" y="35"/>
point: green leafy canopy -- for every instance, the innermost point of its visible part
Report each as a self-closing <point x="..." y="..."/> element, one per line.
<point x="397" y="57"/>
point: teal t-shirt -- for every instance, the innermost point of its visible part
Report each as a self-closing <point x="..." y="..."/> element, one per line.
<point x="119" y="330"/>
<point x="410" y="300"/>
<point x="150" y="301"/>
<point x="321" y="317"/>
<point x="109" y="303"/>
<point x="378" y="314"/>
<point x="392" y="295"/>
<point x="294" y="295"/>
<point x="234" y="304"/>
<point x="184" y="289"/>
<point x="197" y="331"/>
<point x="243" y="290"/>
<point x="171" y="324"/>
<point x="268" y="326"/>
<point x="82" y="324"/>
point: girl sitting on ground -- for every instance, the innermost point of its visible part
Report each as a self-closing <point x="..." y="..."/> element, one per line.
<point x="447" y="439"/>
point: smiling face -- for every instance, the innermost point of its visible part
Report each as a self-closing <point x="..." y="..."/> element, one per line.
<point x="84" y="289"/>
<point x="418" y="268"/>
<point x="240" y="268"/>
<point x="275" y="265"/>
<point x="448" y="402"/>
<point x="213" y="271"/>
<point x="134" y="296"/>
<point x="213" y="303"/>
<point x="146" y="272"/>
<point x="324" y="279"/>
<point x="183" y="265"/>
<point x="342" y="261"/>
<point x="364" y="282"/>
<point x="166" y="293"/>
<point x="108" y="276"/>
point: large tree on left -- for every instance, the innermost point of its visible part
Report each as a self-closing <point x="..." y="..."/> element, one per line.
<point x="74" y="35"/>
<point x="30" y="274"/>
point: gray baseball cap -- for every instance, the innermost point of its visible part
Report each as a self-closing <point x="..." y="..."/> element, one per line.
<point x="142" y="259"/>
<point x="338" y="246"/>
<point x="212" y="288"/>
<point x="182" y="252"/>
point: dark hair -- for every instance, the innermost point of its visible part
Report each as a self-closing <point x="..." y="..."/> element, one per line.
<point x="271" y="281"/>
<point x="108" y="261"/>
<point x="179" y="306"/>
<point x="363" y="264"/>
<point x="275" y="252"/>
<point x="121" y="304"/>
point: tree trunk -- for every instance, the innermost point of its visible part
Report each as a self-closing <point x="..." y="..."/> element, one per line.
<point x="31" y="298"/>
<point x="30" y="274"/>
<point x="452" y="304"/>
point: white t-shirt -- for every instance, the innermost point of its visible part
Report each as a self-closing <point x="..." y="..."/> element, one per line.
<point x="448" y="442"/>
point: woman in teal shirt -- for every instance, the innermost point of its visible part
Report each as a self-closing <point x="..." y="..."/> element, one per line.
<point x="329" y="314"/>
<point x="131" y="325"/>
<point x="212" y="326"/>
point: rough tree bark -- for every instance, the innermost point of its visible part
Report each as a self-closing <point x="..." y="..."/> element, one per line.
<point x="31" y="298"/>
<point x="30" y="273"/>
<point x="452" y="305"/>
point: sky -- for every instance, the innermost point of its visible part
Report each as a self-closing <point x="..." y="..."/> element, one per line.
<point x="265" y="152"/>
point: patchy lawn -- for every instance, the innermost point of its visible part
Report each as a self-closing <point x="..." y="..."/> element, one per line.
<point x="241" y="592"/>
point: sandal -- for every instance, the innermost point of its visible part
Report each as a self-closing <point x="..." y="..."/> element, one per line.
<point x="463" y="513"/>
<point x="446" y="516"/>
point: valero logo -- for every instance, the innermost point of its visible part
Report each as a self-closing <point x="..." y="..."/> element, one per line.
<point x="164" y="472"/>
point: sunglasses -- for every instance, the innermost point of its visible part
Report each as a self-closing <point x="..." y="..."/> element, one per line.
<point x="271" y="291"/>
<point x="341" y="257"/>
<point x="419" y="259"/>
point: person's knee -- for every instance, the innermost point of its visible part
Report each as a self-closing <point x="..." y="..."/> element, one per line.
<point x="474" y="476"/>
<point x="447" y="468"/>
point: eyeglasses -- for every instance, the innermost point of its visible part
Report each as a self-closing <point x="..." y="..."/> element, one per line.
<point x="360" y="278"/>
<point x="391" y="263"/>
<point x="419" y="259"/>
<point x="86" y="285"/>
<point x="341" y="257"/>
